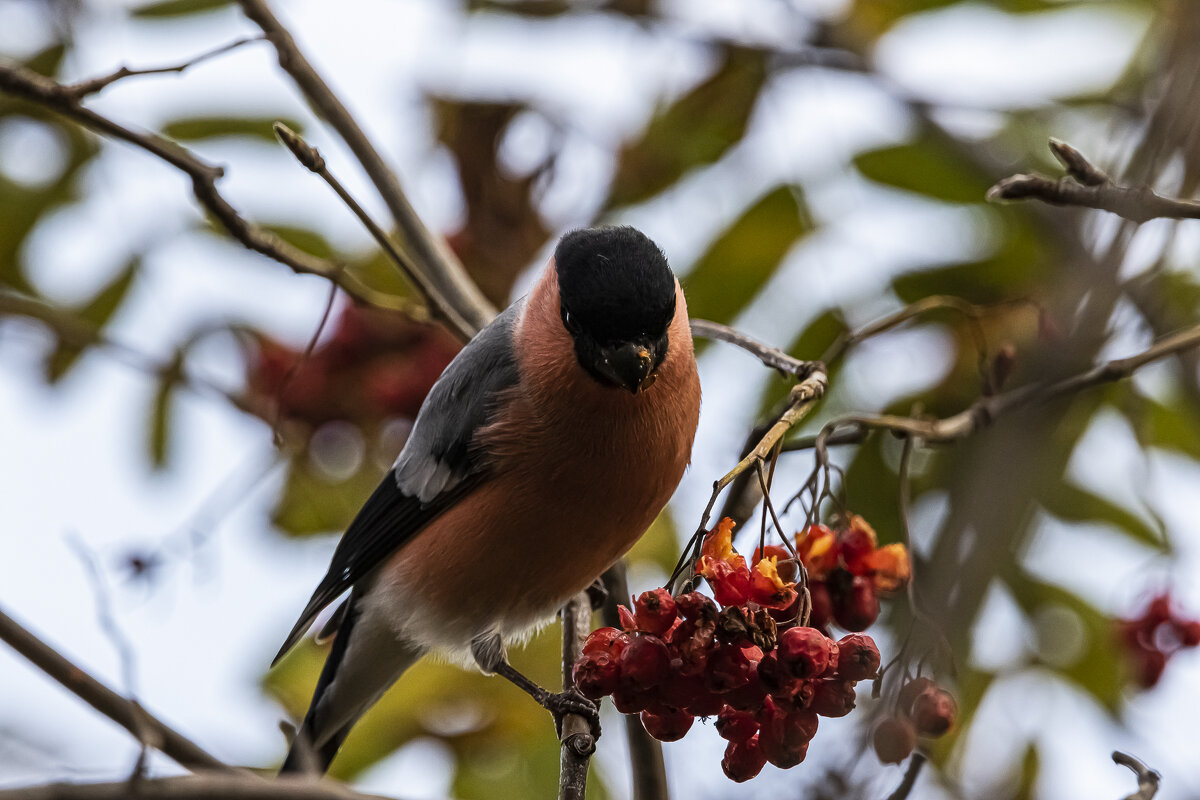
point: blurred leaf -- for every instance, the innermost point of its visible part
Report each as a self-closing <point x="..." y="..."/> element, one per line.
<point x="1030" y="769"/>
<point x="1174" y="425"/>
<point x="306" y="239"/>
<point x="741" y="260"/>
<point x="196" y="128"/>
<point x="695" y="130"/>
<point x="659" y="545"/>
<point x="1072" y="503"/>
<point x="312" y="503"/>
<point x="524" y="8"/>
<point x="96" y="313"/>
<point x="1098" y="669"/>
<point x="873" y="18"/>
<point x="162" y="410"/>
<point x="177" y="8"/>
<point x="930" y="165"/>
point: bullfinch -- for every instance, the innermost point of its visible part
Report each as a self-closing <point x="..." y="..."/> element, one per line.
<point x="542" y="453"/>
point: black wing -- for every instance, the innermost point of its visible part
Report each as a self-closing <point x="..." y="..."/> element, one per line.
<point x="437" y="467"/>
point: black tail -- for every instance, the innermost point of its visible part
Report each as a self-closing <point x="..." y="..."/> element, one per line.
<point x="305" y="756"/>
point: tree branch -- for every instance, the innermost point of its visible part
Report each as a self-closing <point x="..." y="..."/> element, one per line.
<point x="82" y="89"/>
<point x="1148" y="779"/>
<point x="910" y="778"/>
<point x="578" y="744"/>
<point x="1090" y="187"/>
<point x="206" y="786"/>
<point x="770" y="356"/>
<point x="432" y="255"/>
<point x="126" y="713"/>
<point x="28" y="85"/>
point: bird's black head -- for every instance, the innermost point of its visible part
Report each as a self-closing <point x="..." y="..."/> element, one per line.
<point x="618" y="298"/>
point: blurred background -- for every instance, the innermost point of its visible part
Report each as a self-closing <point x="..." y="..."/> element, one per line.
<point x="174" y="469"/>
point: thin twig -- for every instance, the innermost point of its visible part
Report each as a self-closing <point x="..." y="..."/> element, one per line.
<point x="772" y="357"/>
<point x="578" y="744"/>
<point x="84" y="88"/>
<point x="312" y="160"/>
<point x="1148" y="779"/>
<point x="910" y="778"/>
<point x="430" y="253"/>
<point x="125" y="713"/>
<point x="40" y="90"/>
<point x="206" y="786"/>
<point x="1088" y="186"/>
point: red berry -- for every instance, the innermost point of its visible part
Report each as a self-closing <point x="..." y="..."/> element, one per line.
<point x="859" y="607"/>
<point x="654" y="611"/>
<point x="790" y="614"/>
<point x="854" y="545"/>
<point x="784" y="735"/>
<point x="858" y="657"/>
<point x="732" y="666"/>
<point x="606" y="640"/>
<point x="804" y="651"/>
<point x="1148" y="666"/>
<point x="596" y="675"/>
<point x="822" y="604"/>
<point x="934" y="712"/>
<point x="680" y="691"/>
<point x="692" y="642"/>
<point x="1159" y="610"/>
<point x="833" y="698"/>
<point x="694" y="606"/>
<point x="668" y="726"/>
<point x="627" y="620"/>
<point x="894" y="740"/>
<point x="749" y="697"/>
<point x="735" y="726"/>
<point x="706" y="704"/>
<point x="634" y="701"/>
<point x="1188" y="632"/>
<point x="778" y="681"/>
<point x="645" y="662"/>
<point x="730" y="584"/>
<point x="743" y="760"/>
<point x="910" y="692"/>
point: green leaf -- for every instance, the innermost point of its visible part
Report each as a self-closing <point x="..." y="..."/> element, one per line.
<point x="1073" y="503"/>
<point x="695" y="130"/>
<point x="659" y="545"/>
<point x="743" y="258"/>
<point x="304" y="238"/>
<point x="1174" y="425"/>
<point x="930" y="166"/>
<point x="177" y="8"/>
<point x="1097" y="668"/>
<point x="198" y="128"/>
<point x="810" y="344"/>
<point x="96" y="313"/>
<point x="311" y="503"/>
<point x="1030" y="769"/>
<point x="162" y="410"/>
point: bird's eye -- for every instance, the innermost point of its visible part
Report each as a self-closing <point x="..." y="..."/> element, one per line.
<point x="570" y="322"/>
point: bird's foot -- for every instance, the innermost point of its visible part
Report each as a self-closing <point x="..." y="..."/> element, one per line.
<point x="563" y="704"/>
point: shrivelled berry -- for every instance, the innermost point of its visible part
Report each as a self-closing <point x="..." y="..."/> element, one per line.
<point x="691" y="643"/>
<point x="833" y="698"/>
<point x="695" y="606"/>
<point x="606" y="640"/>
<point x="855" y="544"/>
<point x="735" y="726"/>
<point x="680" y="691"/>
<point x="645" y="662"/>
<point x="596" y="674"/>
<point x="654" y="611"/>
<point x="934" y="712"/>
<point x="857" y="608"/>
<point x="628" y="700"/>
<point x="804" y="651"/>
<point x="1188" y="632"/>
<point x="777" y="679"/>
<point x="732" y="666"/>
<point x="667" y="726"/>
<point x="784" y="735"/>
<point x="910" y="692"/>
<point x="894" y="740"/>
<point x="749" y="697"/>
<point x="858" y="657"/>
<point x="743" y="760"/>
<point x="706" y="704"/>
<point x="627" y="620"/>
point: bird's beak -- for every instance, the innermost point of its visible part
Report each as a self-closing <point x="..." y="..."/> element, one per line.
<point x="629" y="365"/>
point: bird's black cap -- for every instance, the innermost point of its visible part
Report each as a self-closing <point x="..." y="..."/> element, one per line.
<point x="615" y="284"/>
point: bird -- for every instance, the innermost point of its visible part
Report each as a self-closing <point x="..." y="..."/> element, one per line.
<point x="540" y="456"/>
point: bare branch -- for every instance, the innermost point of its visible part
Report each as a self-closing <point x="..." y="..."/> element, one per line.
<point x="205" y="786"/>
<point x="578" y="744"/>
<point x="429" y="252"/>
<point x="312" y="160"/>
<point x="1090" y="187"/>
<point x="28" y="85"/>
<point x="910" y="778"/>
<point x="126" y="713"/>
<point x="772" y="357"/>
<point x="1148" y="779"/>
<point x="82" y="89"/>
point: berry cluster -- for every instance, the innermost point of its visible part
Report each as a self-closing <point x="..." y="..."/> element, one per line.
<point x="923" y="709"/>
<point x="848" y="572"/>
<point x="744" y="659"/>
<point x="1150" y="639"/>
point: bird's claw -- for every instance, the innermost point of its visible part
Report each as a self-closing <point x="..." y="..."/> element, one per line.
<point x="572" y="702"/>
